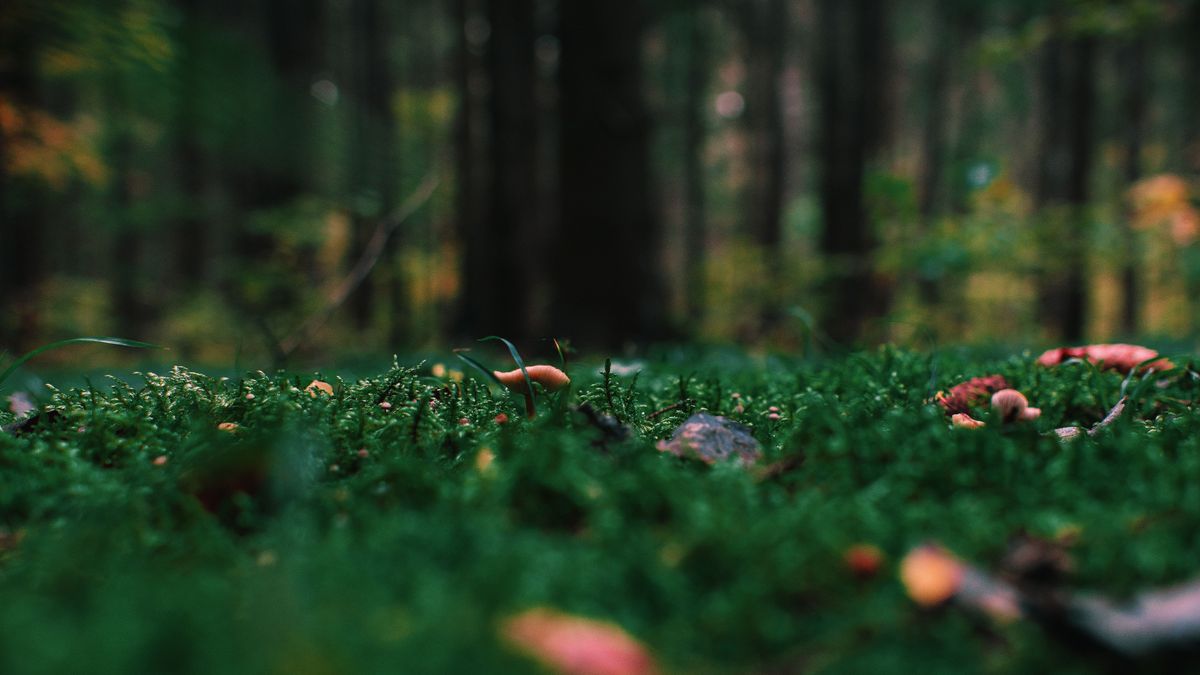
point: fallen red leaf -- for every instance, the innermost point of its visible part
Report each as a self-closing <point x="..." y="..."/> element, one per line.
<point x="863" y="560"/>
<point x="975" y="391"/>
<point x="1120" y="357"/>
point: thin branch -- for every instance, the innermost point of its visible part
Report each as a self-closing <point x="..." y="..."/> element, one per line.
<point x="1157" y="622"/>
<point x="673" y="406"/>
<point x="1068" y="433"/>
<point x="370" y="257"/>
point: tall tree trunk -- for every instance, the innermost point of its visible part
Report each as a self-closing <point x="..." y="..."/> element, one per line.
<point x="190" y="240"/>
<point x="469" y="161"/>
<point x="512" y="250"/>
<point x="1133" y="60"/>
<point x="285" y="167"/>
<point x="23" y="221"/>
<point x="1191" y="90"/>
<point x="764" y="26"/>
<point x="932" y="134"/>
<point x="373" y="163"/>
<point x="128" y="296"/>
<point x="607" y="287"/>
<point x="933" y="140"/>
<point x="694" y="137"/>
<point x="851" y="129"/>
<point x="1068" y="90"/>
<point x="502" y="253"/>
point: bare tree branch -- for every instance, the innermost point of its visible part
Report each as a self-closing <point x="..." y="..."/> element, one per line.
<point x="370" y="257"/>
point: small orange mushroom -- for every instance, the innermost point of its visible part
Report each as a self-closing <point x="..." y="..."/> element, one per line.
<point x="930" y="575"/>
<point x="319" y="386"/>
<point x="549" y="377"/>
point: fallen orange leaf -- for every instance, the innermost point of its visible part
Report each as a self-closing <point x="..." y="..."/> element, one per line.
<point x="576" y="645"/>
<point x="965" y="421"/>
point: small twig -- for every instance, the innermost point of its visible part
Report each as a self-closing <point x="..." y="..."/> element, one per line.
<point x="776" y="469"/>
<point x="673" y="406"/>
<point x="370" y="257"/>
<point x="1110" y="417"/>
<point x="1068" y="433"/>
<point x="1152" y="623"/>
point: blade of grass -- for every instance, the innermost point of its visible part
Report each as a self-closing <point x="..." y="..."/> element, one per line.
<point x="512" y="349"/>
<point x="477" y="366"/>
<point x="562" y="356"/>
<point x="120" y="342"/>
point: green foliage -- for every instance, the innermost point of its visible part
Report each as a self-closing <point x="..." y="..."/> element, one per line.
<point x="333" y="532"/>
<point x="120" y="342"/>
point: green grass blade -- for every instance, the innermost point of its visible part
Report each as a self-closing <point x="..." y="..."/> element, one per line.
<point x="562" y="356"/>
<point x="477" y="366"/>
<point x="512" y="349"/>
<point x="120" y="342"/>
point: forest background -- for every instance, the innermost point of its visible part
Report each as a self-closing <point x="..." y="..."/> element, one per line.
<point x="273" y="181"/>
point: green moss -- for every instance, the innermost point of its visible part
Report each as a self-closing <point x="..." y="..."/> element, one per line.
<point x="333" y="534"/>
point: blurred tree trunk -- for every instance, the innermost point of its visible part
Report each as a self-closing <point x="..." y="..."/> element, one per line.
<point x="284" y="169"/>
<point x="130" y="311"/>
<point x="1068" y="99"/>
<point x="607" y="285"/>
<point x="1133" y="65"/>
<point x="373" y="142"/>
<point x="695" y="135"/>
<point x="190" y="234"/>
<point x="764" y="24"/>
<point x="933" y="138"/>
<point x="852" y="124"/>
<point x="502" y="253"/>
<point x="22" y="221"/>
<point x="509" y="245"/>
<point x="468" y="172"/>
<point x="1191" y="92"/>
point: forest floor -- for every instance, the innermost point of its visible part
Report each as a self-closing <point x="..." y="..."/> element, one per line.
<point x="410" y="521"/>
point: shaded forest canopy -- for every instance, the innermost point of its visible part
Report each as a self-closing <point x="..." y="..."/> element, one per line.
<point x="214" y="175"/>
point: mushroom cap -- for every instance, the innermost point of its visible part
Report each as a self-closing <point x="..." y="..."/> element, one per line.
<point x="1010" y="404"/>
<point x="549" y="377"/>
